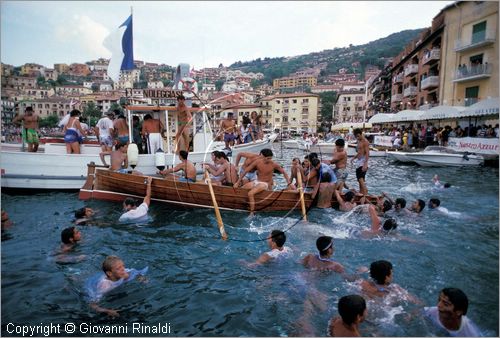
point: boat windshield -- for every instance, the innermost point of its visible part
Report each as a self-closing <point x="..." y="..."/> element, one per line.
<point x="441" y="150"/>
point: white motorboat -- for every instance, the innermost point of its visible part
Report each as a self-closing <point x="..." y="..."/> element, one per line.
<point x="400" y="156"/>
<point x="291" y="144"/>
<point x="444" y="156"/>
<point x="55" y="169"/>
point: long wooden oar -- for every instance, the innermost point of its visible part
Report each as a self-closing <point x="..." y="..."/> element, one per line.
<point x="216" y="206"/>
<point x="301" y="190"/>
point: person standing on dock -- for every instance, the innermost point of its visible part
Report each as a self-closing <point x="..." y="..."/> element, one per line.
<point x="362" y="156"/>
<point x="184" y="120"/>
<point x="30" y="131"/>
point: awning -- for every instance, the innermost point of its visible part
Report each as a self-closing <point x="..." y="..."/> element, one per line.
<point x="348" y="125"/>
<point x="381" y="118"/>
<point x="407" y="115"/>
<point x="442" y="113"/>
<point x="482" y="108"/>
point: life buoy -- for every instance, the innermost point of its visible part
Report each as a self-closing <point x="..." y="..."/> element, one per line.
<point x="188" y="85"/>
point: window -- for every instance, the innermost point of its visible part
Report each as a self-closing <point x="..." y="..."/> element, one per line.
<point x="285" y="110"/>
<point x="294" y="101"/>
<point x="285" y="118"/>
<point x="478" y="32"/>
<point x="305" y="100"/>
<point x="305" y="110"/>
<point x="294" y="119"/>
<point x="278" y="101"/>
<point x="471" y="95"/>
<point x="286" y="101"/>
<point x="276" y="120"/>
<point x="476" y="59"/>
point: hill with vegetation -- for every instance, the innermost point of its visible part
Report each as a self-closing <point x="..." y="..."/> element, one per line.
<point x="353" y="58"/>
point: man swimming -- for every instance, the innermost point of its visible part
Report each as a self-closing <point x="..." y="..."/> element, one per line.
<point x="322" y="260"/>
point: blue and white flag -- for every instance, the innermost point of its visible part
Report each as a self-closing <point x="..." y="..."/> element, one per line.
<point x="120" y="44"/>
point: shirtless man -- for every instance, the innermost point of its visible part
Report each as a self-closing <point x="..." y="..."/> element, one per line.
<point x="352" y="312"/>
<point x="121" y="128"/>
<point x="339" y="158"/>
<point x="362" y="156"/>
<point x="265" y="168"/>
<point x="119" y="160"/>
<point x="376" y="226"/>
<point x="249" y="158"/>
<point x="186" y="166"/>
<point x="311" y="178"/>
<point x="295" y="171"/>
<point x="151" y="130"/>
<point x="183" y="125"/>
<point x="346" y="203"/>
<point x="228" y="127"/>
<point x="325" y="192"/>
<point x="30" y="132"/>
<point x="323" y="261"/>
<point x="227" y="169"/>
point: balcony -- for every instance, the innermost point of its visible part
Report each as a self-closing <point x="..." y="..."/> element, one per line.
<point x="476" y="72"/>
<point x="398" y="78"/>
<point x="410" y="91"/>
<point x="397" y="98"/>
<point x="431" y="56"/>
<point x="411" y="69"/>
<point x="480" y="39"/>
<point x="430" y="82"/>
<point x="377" y="88"/>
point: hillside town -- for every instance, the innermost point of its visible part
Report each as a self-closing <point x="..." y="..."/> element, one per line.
<point x="453" y="62"/>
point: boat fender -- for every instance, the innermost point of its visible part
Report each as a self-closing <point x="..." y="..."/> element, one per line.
<point x="133" y="154"/>
<point x="160" y="159"/>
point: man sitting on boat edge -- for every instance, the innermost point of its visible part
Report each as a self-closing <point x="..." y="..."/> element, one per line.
<point x="265" y="168"/>
<point x="119" y="159"/>
<point x="185" y="165"/>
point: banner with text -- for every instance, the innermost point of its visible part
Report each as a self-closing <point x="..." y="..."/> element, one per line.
<point x="385" y="141"/>
<point x="487" y="146"/>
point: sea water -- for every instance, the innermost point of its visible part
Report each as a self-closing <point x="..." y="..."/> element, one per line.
<point x="198" y="284"/>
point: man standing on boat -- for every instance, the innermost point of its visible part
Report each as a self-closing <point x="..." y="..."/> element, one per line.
<point x="30" y="131"/>
<point x="184" y="120"/>
<point x="151" y="130"/>
<point x="228" y="127"/>
<point x="104" y="131"/>
<point x="121" y="127"/>
<point x="265" y="168"/>
<point x="362" y="156"/>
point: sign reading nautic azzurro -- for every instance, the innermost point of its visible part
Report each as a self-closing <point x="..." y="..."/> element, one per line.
<point x="488" y="146"/>
<point x="155" y="93"/>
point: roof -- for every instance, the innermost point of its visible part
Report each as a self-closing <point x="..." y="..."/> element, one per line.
<point x="283" y="96"/>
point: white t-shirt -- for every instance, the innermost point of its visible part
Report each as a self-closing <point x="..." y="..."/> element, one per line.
<point x="135" y="215"/>
<point x="467" y="327"/>
<point x="104" y="125"/>
<point x="276" y="253"/>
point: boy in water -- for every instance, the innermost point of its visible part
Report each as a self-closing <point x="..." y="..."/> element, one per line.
<point x="276" y="242"/>
<point x="115" y="274"/>
<point x="438" y="184"/>
<point x="134" y="212"/>
<point x="322" y="260"/>
<point x="69" y="238"/>
<point x="352" y="311"/>
<point x="450" y="314"/>
<point x="83" y="215"/>
<point x="417" y="206"/>
<point x="376" y="227"/>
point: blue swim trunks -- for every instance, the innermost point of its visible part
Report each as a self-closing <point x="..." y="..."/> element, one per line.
<point x="123" y="139"/>
<point x="188" y="180"/>
<point x="228" y="137"/>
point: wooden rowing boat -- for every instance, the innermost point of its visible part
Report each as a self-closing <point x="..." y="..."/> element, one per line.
<point x="103" y="184"/>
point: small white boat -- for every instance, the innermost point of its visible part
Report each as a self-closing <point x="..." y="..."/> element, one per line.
<point x="444" y="156"/>
<point x="400" y="156"/>
<point x="291" y="144"/>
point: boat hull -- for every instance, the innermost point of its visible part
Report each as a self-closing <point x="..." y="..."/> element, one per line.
<point x="399" y="156"/>
<point x="445" y="160"/>
<point x="103" y="184"/>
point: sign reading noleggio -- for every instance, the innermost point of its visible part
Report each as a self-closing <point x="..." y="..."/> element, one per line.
<point x="87" y="328"/>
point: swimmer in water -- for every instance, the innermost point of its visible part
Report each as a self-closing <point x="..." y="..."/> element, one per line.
<point x="83" y="215"/>
<point x="380" y="285"/>
<point x="69" y="238"/>
<point x="115" y="274"/>
<point x="352" y="312"/>
<point x="438" y="184"/>
<point x="276" y="242"/>
<point x="377" y="228"/>
<point x="417" y="206"/>
<point x="323" y="259"/>
<point x="347" y="203"/>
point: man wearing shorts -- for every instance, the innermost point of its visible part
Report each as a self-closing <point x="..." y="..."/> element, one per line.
<point x="104" y="131"/>
<point x="228" y="127"/>
<point x="362" y="156"/>
<point x="30" y="131"/>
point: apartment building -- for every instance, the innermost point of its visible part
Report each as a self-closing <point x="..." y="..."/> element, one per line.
<point x="66" y="90"/>
<point x="78" y="69"/>
<point x="378" y="91"/>
<point x="32" y="69"/>
<point x="326" y="88"/>
<point x="50" y="74"/>
<point x="291" y="112"/>
<point x="470" y="53"/>
<point x="61" y="68"/>
<point x="55" y="105"/>
<point x="7" y="70"/>
<point x="349" y="106"/>
<point x="295" y="82"/>
<point x="239" y="111"/>
<point x="18" y="82"/>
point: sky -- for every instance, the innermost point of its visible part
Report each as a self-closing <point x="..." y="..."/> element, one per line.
<point x="200" y="33"/>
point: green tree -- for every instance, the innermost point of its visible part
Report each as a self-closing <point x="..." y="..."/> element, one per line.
<point x="91" y="111"/>
<point x="327" y="101"/>
<point x="116" y="106"/>
<point x="49" y="121"/>
<point x="40" y="81"/>
<point x="218" y="84"/>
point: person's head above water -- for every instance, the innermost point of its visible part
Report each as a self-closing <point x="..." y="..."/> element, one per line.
<point x="352" y="309"/>
<point x="324" y="244"/>
<point x="457" y="298"/>
<point x="114" y="268"/>
<point x="418" y="206"/>
<point x="390" y="224"/>
<point x="434" y="203"/>
<point x="399" y="203"/>
<point x="386" y="206"/>
<point x="277" y="237"/>
<point x="349" y="196"/>
<point x="70" y="235"/>
<point x="381" y="271"/>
